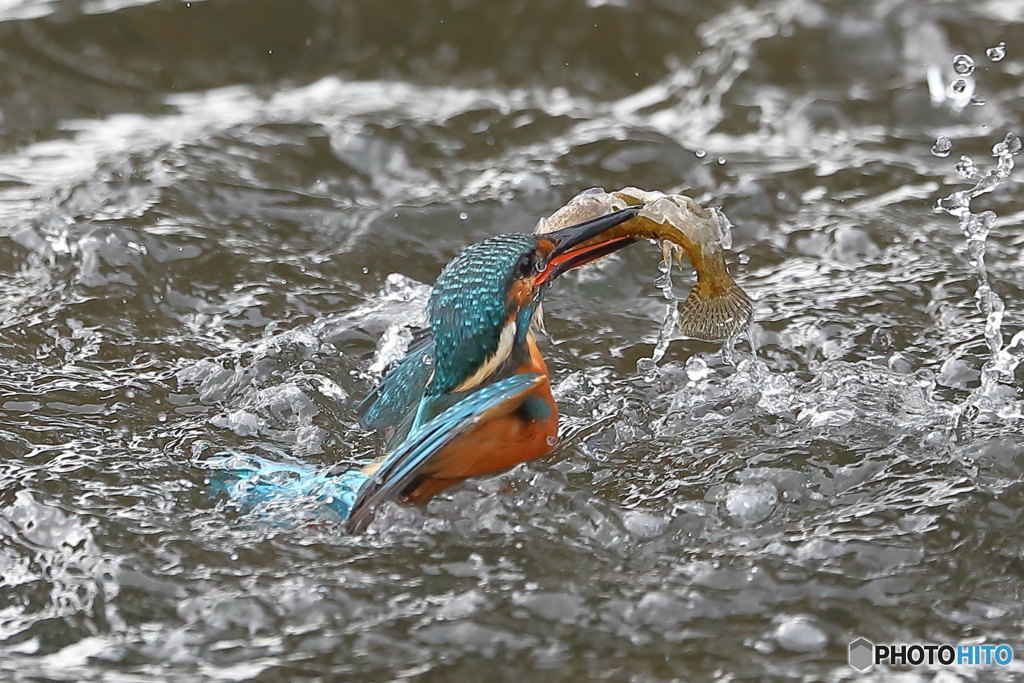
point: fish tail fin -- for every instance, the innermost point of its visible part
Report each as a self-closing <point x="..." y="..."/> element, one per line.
<point x="716" y="316"/>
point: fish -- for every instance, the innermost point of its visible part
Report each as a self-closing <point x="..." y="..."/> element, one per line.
<point x="716" y="309"/>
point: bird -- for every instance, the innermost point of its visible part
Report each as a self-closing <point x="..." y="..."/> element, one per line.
<point x="472" y="394"/>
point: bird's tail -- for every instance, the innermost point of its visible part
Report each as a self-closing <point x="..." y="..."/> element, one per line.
<point x="252" y="481"/>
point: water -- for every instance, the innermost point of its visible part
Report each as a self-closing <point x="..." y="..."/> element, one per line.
<point x="670" y="322"/>
<point x="963" y="65"/>
<point x="219" y="223"/>
<point x="942" y="146"/>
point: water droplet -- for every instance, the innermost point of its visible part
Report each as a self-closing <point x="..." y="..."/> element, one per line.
<point x="1012" y="143"/>
<point x="551" y="441"/>
<point x="958" y="86"/>
<point x="721" y="161"/>
<point x="881" y="339"/>
<point x="463" y="216"/>
<point x="977" y="101"/>
<point x="1008" y="147"/>
<point x="161" y="417"/>
<point x="996" y="53"/>
<point x="647" y="368"/>
<point x="700" y="153"/>
<point x="130" y="393"/>
<point x="696" y="368"/>
<point x="963" y="65"/>
<point x="966" y="168"/>
<point x="942" y="146"/>
<point x="428" y="359"/>
<point x="234" y="557"/>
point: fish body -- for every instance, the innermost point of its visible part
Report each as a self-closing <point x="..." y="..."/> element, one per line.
<point x="716" y="308"/>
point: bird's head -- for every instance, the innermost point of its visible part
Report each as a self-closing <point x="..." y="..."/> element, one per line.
<point x="483" y="302"/>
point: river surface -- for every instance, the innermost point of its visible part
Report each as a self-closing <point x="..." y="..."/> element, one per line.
<point x="212" y="213"/>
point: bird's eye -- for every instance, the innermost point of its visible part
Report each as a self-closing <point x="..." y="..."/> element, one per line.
<point x="526" y="264"/>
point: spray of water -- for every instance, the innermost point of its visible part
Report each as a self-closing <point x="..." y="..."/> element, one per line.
<point x="648" y="367"/>
<point x="664" y="283"/>
<point x="998" y="370"/>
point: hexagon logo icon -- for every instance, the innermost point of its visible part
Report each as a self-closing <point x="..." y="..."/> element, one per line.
<point x="862" y="653"/>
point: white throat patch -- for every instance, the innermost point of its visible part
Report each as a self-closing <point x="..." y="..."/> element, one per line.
<point x="508" y="337"/>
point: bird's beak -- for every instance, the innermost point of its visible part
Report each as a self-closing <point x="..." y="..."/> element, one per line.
<point x="584" y="242"/>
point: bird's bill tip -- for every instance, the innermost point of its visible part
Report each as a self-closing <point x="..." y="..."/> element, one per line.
<point x="568" y="238"/>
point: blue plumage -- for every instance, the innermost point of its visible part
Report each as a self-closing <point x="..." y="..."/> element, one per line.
<point x="252" y="480"/>
<point x="400" y="470"/>
<point x="391" y="407"/>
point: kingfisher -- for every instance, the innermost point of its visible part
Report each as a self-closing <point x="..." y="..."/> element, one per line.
<point x="472" y="394"/>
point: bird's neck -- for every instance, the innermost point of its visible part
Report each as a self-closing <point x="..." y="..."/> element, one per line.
<point x="523" y="357"/>
<point x="533" y="361"/>
<point x="515" y="355"/>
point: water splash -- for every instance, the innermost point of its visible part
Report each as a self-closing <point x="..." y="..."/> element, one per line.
<point x="963" y="65"/>
<point x="997" y="53"/>
<point x="960" y="91"/>
<point x="648" y="367"/>
<point x="942" y="147"/>
<point x="966" y="168"/>
<point x="976" y="227"/>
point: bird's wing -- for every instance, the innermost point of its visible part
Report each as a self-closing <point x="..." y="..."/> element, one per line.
<point x="414" y="455"/>
<point x="391" y="407"/>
